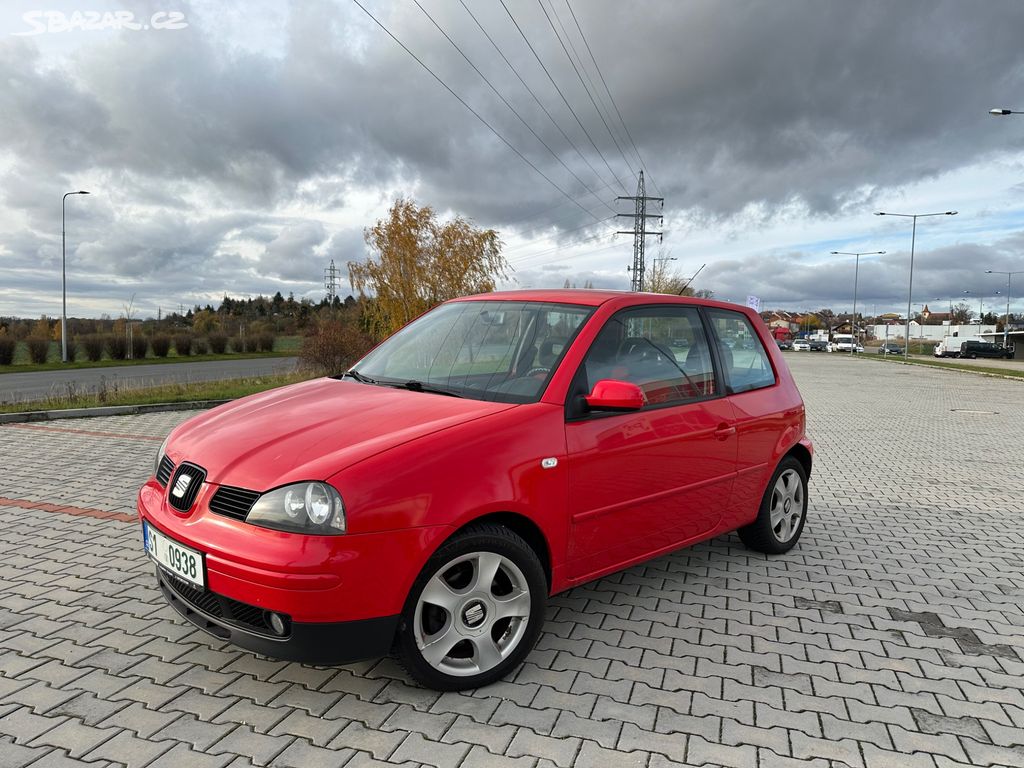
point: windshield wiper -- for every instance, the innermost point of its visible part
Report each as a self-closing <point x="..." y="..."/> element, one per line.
<point x="354" y="374"/>
<point x="419" y="386"/>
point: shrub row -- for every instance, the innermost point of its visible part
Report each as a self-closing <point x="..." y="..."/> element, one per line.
<point x="93" y="347"/>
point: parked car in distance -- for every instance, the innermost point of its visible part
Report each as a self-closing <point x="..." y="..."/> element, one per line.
<point x="801" y="345"/>
<point x="818" y="345"/>
<point x="784" y="343"/>
<point x="498" y="450"/>
<point x="973" y="349"/>
<point x="890" y="348"/>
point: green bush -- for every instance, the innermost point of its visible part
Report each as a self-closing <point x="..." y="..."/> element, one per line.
<point x="117" y="347"/>
<point x="183" y="345"/>
<point x="139" y="346"/>
<point x="264" y="342"/>
<point x="7" y="351"/>
<point x="199" y="346"/>
<point x="93" y="346"/>
<point x="161" y="346"/>
<point x="38" y="350"/>
<point x="240" y="344"/>
<point x="218" y="343"/>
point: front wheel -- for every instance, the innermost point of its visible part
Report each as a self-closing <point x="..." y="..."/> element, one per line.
<point x="780" y="519"/>
<point x="475" y="610"/>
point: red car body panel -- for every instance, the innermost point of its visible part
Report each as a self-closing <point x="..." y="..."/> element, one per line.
<point x="414" y="467"/>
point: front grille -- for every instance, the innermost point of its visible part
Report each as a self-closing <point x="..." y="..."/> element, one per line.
<point x="163" y="472"/>
<point x="223" y="609"/>
<point x="233" y="502"/>
<point x="185" y="486"/>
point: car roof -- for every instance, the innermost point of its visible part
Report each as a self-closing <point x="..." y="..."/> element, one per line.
<point x="594" y="298"/>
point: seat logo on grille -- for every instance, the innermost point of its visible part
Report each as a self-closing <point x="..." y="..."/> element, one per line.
<point x="181" y="485"/>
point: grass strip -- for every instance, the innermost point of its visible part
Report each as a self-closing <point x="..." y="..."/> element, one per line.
<point x="115" y="393"/>
<point x="1007" y="372"/>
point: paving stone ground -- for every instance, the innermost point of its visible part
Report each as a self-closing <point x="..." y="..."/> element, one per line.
<point x="892" y="635"/>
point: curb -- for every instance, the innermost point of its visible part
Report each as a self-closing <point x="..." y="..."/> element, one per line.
<point x="107" y="410"/>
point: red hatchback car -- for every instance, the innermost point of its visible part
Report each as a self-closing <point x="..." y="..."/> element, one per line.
<point x="497" y="450"/>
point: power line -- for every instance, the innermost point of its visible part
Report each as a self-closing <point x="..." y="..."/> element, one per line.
<point x="528" y="257"/>
<point x="579" y="60"/>
<point x="585" y="88"/>
<point x="577" y="255"/>
<point x="476" y="114"/>
<point x="540" y="104"/>
<point x="560" y="93"/>
<point x="549" y="209"/>
<point x="511" y="108"/>
<point x="529" y="243"/>
<point x="604" y="82"/>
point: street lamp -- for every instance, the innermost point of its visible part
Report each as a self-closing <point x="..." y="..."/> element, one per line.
<point x="1001" y="112"/>
<point x="64" y="279"/>
<point x="1006" y="322"/>
<point x="913" y="239"/>
<point x="856" y="275"/>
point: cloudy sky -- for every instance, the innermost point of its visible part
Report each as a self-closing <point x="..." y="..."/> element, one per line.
<point x="241" y="149"/>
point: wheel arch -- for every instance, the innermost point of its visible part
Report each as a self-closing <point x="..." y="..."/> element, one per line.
<point x="524" y="527"/>
<point x="800" y="452"/>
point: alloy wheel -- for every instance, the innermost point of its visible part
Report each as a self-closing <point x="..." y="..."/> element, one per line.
<point x="787" y="505"/>
<point x="472" y="614"/>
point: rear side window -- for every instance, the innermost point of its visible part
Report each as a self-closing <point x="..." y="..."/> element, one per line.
<point x="744" y="361"/>
<point x="661" y="349"/>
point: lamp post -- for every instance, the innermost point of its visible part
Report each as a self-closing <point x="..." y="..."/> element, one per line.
<point x="1000" y="112"/>
<point x="1006" y="322"/>
<point x="913" y="240"/>
<point x="64" y="279"/>
<point x="856" y="275"/>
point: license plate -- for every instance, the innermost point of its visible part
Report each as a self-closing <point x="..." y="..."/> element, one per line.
<point x="178" y="559"/>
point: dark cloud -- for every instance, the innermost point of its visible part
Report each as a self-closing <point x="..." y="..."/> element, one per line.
<point x="224" y="164"/>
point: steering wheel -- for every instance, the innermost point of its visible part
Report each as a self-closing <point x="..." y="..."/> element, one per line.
<point x="535" y="371"/>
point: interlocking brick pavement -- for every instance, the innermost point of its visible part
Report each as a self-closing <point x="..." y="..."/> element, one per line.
<point x="893" y="635"/>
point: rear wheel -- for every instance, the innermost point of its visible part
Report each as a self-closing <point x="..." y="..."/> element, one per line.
<point x="475" y="611"/>
<point x="780" y="519"/>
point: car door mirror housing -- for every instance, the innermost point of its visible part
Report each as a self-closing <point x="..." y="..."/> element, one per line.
<point x="612" y="395"/>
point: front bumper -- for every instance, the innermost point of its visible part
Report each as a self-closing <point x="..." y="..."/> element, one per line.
<point x="340" y="596"/>
<point x="310" y="643"/>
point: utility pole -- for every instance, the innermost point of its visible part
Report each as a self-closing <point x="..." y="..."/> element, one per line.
<point x="639" y="231"/>
<point x="331" y="282"/>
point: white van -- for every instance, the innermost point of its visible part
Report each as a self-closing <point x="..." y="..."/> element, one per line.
<point x="950" y="346"/>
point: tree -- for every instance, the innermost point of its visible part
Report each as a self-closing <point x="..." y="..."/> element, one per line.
<point x="421" y="262"/>
<point x="961" y="313"/>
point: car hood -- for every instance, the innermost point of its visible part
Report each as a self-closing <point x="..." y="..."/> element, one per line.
<point x="311" y="430"/>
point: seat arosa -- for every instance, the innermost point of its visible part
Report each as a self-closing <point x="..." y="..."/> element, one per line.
<point x="498" y="450"/>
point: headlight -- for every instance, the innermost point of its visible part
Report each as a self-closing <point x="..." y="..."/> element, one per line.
<point x="314" y="508"/>
<point x="160" y="455"/>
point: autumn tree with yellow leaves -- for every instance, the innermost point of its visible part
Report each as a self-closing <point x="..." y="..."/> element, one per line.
<point x="420" y="262"/>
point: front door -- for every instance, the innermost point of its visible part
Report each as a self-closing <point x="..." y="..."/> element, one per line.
<point x="652" y="479"/>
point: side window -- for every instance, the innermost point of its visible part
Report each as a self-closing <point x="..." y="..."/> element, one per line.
<point x="661" y="349"/>
<point x="744" y="360"/>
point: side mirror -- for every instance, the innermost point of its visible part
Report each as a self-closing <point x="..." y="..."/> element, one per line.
<point x="612" y="395"/>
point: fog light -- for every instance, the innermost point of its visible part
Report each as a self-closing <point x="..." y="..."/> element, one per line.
<point x="276" y="623"/>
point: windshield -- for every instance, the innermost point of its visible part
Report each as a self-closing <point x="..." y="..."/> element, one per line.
<point x="485" y="350"/>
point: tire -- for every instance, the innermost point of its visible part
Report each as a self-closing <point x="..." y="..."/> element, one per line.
<point x="457" y="633"/>
<point x="788" y="484"/>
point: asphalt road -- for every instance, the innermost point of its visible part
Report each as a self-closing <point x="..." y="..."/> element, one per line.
<point x="17" y="387"/>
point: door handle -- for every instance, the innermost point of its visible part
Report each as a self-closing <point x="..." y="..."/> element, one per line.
<point x="725" y="430"/>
